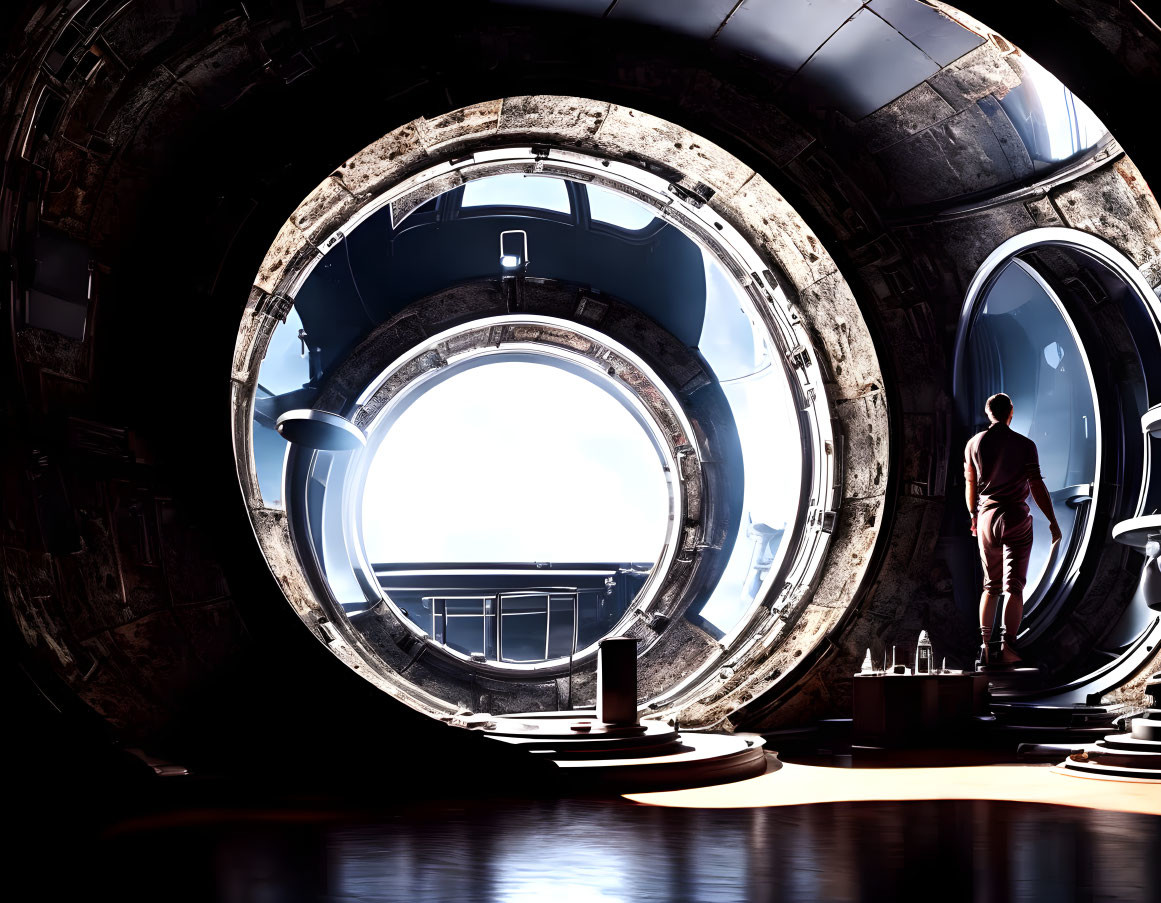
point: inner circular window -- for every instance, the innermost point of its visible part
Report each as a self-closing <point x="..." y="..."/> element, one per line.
<point x="514" y="510"/>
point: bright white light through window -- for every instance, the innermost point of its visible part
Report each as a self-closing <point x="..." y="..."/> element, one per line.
<point x="1071" y="125"/>
<point x="516" y="190"/>
<point x="515" y="462"/>
<point x="767" y="423"/>
<point x="1053" y="123"/>
<point x="285" y="367"/>
<point x="618" y="210"/>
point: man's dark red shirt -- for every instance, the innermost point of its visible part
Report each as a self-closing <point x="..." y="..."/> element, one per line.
<point x="1004" y="463"/>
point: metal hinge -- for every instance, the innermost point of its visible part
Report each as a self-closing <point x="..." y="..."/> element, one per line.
<point x="798" y="357"/>
<point x="696" y="198"/>
<point x="276" y="305"/>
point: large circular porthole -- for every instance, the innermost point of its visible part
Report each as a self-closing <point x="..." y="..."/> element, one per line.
<point x="511" y="401"/>
<point x="1043" y="307"/>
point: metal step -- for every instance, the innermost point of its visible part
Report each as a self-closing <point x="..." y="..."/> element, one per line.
<point x="1114" y="767"/>
<point x="1059" y="717"/>
<point x="1023" y="679"/>
<point x="1128" y="742"/>
<point x="1146" y="729"/>
<point x="1123" y="758"/>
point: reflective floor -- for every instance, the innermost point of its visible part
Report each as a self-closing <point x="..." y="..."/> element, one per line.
<point x="618" y="850"/>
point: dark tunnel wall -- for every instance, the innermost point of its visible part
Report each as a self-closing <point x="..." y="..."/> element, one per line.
<point x="133" y="579"/>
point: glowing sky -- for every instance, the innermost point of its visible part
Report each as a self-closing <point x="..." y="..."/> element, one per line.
<point x="515" y="461"/>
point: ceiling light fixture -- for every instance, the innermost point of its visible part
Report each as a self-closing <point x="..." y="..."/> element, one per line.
<point x="513" y="249"/>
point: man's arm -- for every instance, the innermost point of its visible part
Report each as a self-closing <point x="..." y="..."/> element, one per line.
<point x="1044" y="500"/>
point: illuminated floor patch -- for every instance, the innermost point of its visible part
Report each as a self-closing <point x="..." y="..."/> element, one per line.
<point x="795" y="785"/>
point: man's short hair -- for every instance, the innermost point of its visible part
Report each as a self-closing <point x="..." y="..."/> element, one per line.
<point x="999" y="406"/>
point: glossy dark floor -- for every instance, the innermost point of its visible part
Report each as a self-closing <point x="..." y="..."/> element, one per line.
<point x="615" y="850"/>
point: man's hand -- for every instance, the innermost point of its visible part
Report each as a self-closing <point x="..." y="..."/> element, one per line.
<point x="974" y="519"/>
<point x="1044" y="500"/>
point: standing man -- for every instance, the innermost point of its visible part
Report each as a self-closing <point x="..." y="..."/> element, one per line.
<point x="1001" y="467"/>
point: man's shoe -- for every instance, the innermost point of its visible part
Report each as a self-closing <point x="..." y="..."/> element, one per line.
<point x="1007" y="656"/>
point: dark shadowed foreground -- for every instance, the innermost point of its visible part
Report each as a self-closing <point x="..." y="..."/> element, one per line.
<point x="615" y="850"/>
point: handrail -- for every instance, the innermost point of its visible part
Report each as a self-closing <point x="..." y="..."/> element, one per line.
<point x="1073" y="496"/>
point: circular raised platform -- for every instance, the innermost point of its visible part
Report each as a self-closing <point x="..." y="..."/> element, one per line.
<point x="649" y="755"/>
<point x="1133" y="756"/>
<point x="1131" y="743"/>
<point x="1119" y="766"/>
<point x="579" y="735"/>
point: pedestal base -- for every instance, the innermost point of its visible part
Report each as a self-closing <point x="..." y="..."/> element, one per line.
<point x="916" y="710"/>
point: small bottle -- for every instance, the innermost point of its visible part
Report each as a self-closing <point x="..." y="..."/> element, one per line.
<point x="924" y="658"/>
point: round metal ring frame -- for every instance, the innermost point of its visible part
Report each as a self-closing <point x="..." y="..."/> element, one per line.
<point x="546" y="341"/>
<point x="795" y="574"/>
